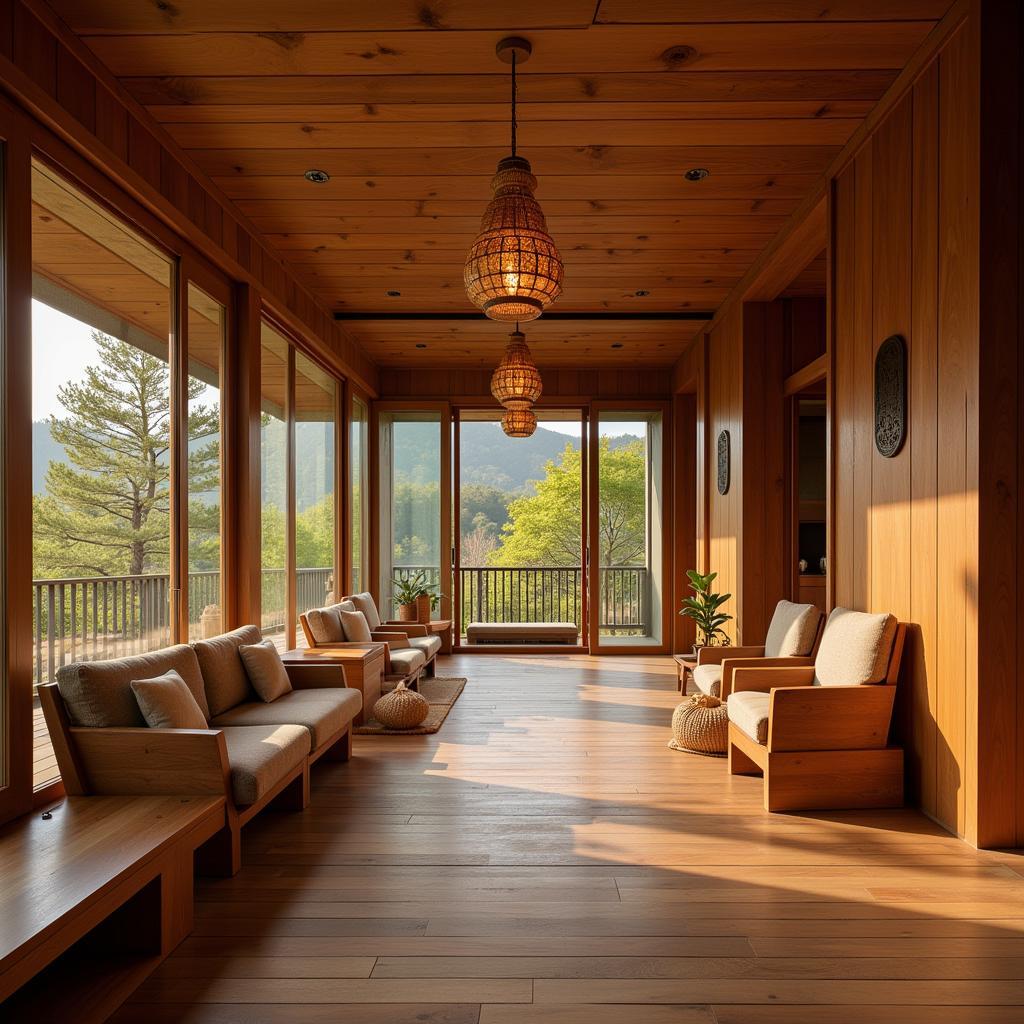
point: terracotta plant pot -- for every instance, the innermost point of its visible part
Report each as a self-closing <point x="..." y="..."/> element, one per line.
<point x="407" y="612"/>
<point x="422" y="608"/>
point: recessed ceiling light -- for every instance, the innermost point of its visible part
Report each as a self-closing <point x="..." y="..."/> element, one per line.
<point x="316" y="176"/>
<point x="421" y="344"/>
<point x="641" y="293"/>
<point x="393" y="293"/>
<point x="696" y="174"/>
<point x="616" y="344"/>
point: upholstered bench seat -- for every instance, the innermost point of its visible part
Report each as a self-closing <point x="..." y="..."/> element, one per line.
<point x="749" y="711"/>
<point x="522" y="633"/>
<point x="429" y="645"/>
<point x="323" y="712"/>
<point x="261" y="755"/>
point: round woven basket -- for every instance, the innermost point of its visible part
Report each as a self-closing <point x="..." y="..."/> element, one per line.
<point x="700" y="725"/>
<point x="401" y="708"/>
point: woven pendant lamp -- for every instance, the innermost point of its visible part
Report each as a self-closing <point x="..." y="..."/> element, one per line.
<point x="516" y="382"/>
<point x="514" y="270"/>
<point x="519" y="422"/>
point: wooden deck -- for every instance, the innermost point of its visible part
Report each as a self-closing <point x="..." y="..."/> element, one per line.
<point x="44" y="764"/>
<point x="546" y="858"/>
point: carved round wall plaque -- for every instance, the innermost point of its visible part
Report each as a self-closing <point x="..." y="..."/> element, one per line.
<point x="723" y="462"/>
<point x="891" y="396"/>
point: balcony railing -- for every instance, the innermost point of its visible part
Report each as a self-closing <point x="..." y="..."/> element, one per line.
<point x="549" y="594"/>
<point x="91" y="618"/>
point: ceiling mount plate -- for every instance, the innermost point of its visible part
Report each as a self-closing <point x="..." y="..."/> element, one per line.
<point x="521" y="48"/>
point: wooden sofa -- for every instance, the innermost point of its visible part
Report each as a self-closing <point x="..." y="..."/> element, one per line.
<point x="252" y="754"/>
<point x="410" y="649"/>
<point x="793" y="637"/>
<point x="819" y="733"/>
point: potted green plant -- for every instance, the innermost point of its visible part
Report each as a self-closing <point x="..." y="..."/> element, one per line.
<point x="703" y="607"/>
<point x="406" y="592"/>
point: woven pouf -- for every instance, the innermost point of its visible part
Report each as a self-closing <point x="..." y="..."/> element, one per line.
<point x="401" y="708"/>
<point x="700" y="725"/>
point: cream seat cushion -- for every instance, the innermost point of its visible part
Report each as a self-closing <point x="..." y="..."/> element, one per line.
<point x="322" y="712"/>
<point x="855" y="648"/>
<point x="260" y="756"/>
<point x="406" y="661"/>
<point x="429" y="645"/>
<point x="224" y="675"/>
<point x="166" y="702"/>
<point x="98" y="694"/>
<point x="366" y="604"/>
<point x="792" y="630"/>
<point x="708" y="679"/>
<point x="749" y="711"/>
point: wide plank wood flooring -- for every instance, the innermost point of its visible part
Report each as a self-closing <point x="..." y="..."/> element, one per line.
<point x="546" y="859"/>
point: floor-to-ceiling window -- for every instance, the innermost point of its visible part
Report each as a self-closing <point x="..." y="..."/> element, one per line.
<point x="520" y="521"/>
<point x="410" y="492"/>
<point x="627" y="553"/>
<point x="274" y="390"/>
<point x="359" y="533"/>
<point x="205" y="329"/>
<point x="101" y="436"/>
<point x="315" y="465"/>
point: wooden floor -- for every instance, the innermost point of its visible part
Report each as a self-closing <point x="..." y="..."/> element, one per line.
<point x="546" y="858"/>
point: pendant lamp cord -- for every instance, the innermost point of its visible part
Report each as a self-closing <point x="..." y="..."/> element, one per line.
<point x="514" y="92"/>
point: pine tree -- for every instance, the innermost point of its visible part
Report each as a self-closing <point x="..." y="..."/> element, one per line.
<point x="106" y="510"/>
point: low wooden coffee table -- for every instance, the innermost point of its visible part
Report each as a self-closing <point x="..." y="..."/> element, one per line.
<point x="685" y="663"/>
<point x="363" y="666"/>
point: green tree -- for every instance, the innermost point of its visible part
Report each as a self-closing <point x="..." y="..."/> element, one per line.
<point x="106" y="510"/>
<point x="314" y="535"/>
<point x="544" y="527"/>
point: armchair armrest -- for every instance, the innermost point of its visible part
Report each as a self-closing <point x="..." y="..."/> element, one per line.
<point x="716" y="655"/>
<point x="316" y="675"/>
<point x="730" y="665"/>
<point x="830" y="717"/>
<point x="765" y="679"/>
<point x="409" y="628"/>
<point x="153" y="762"/>
<point x="393" y="640"/>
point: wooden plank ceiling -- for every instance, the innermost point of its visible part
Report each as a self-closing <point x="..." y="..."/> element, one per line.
<point x="405" y="105"/>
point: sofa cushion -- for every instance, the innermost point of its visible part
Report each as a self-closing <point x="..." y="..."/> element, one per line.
<point x="749" y="711"/>
<point x="357" y="629"/>
<point x="708" y="679"/>
<point x="325" y="625"/>
<point x="166" y="702"/>
<point x="98" y="694"/>
<point x="855" y="648"/>
<point x="792" y="630"/>
<point x="429" y="645"/>
<point x="406" y="661"/>
<point x="265" y="670"/>
<point x="366" y="604"/>
<point x="323" y="712"/>
<point x="223" y="672"/>
<point x="260" y="756"/>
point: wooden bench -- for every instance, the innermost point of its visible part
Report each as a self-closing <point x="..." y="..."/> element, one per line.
<point x="522" y="633"/>
<point x="93" y="898"/>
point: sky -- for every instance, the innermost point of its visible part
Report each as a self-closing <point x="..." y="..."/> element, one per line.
<point x="62" y="347"/>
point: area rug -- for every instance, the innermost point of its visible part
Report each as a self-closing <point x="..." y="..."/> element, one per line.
<point x="441" y="694"/>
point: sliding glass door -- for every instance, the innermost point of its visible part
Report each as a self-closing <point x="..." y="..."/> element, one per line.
<point x="627" y="530"/>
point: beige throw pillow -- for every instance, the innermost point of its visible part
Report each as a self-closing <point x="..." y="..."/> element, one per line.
<point x="357" y="629"/>
<point x="166" y="702"/>
<point x="265" y="670"/>
<point x="364" y="603"/>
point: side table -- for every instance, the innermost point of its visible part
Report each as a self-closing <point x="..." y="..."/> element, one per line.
<point x="363" y="665"/>
<point x="684" y="663"/>
<point x="442" y="628"/>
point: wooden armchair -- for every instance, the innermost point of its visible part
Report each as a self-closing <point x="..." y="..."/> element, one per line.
<point x="793" y="637"/>
<point x="819" y="733"/>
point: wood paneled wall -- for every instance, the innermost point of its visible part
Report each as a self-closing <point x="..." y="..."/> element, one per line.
<point x="906" y="262"/>
<point x="926" y="241"/>
<point x="47" y="70"/>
